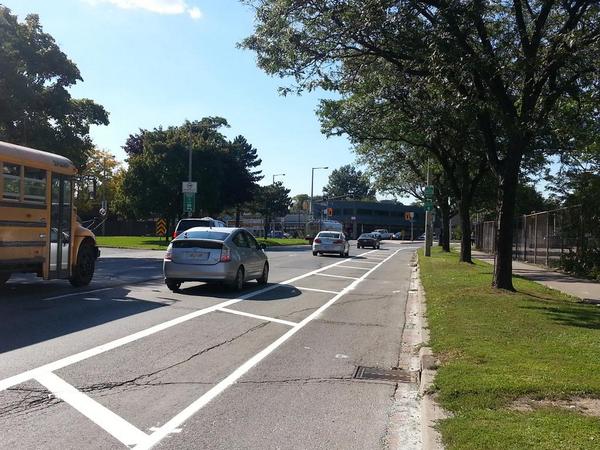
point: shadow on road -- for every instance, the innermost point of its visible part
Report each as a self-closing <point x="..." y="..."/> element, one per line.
<point x="281" y="291"/>
<point x="29" y="321"/>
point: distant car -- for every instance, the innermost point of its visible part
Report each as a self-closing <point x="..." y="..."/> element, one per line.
<point x="330" y="242"/>
<point x="367" y="240"/>
<point x="186" y="224"/>
<point x="219" y="254"/>
<point x="385" y="234"/>
<point x="277" y="234"/>
<point x="376" y="234"/>
<point x="421" y="238"/>
<point x="397" y="236"/>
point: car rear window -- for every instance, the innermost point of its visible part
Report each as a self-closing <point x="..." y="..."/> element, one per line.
<point x="192" y="243"/>
<point x="213" y="235"/>
<point x="365" y="236"/>
<point x="329" y="235"/>
<point x="186" y="224"/>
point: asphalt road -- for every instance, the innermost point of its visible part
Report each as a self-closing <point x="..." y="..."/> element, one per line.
<point x="125" y="362"/>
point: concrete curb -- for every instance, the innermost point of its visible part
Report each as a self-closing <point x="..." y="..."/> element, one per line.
<point x="431" y="412"/>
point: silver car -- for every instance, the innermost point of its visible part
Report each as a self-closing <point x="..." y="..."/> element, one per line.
<point x="330" y="242"/>
<point x="230" y="255"/>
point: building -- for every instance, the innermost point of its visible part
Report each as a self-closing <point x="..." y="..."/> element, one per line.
<point x="363" y="217"/>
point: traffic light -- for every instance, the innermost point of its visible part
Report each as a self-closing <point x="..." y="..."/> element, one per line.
<point x="330" y="212"/>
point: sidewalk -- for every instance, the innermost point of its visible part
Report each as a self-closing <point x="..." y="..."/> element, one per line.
<point x="588" y="291"/>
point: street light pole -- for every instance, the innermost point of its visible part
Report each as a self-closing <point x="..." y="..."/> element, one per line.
<point x="190" y="213"/>
<point x="312" y="182"/>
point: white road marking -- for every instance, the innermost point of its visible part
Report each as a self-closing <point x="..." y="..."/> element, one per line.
<point x="203" y="400"/>
<point x="364" y="262"/>
<point x="256" y="316"/>
<point x="101" y="416"/>
<point x="355" y="267"/>
<point x="336" y="276"/>
<point x="59" y="364"/>
<point x="302" y="288"/>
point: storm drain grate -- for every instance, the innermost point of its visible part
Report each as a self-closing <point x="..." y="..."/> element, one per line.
<point x="376" y="373"/>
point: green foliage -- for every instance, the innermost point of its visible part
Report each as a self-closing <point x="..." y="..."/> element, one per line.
<point x="300" y="203"/>
<point x="497" y="347"/>
<point x="271" y="201"/>
<point x="98" y="180"/>
<point x="349" y="183"/>
<point x="36" y="108"/>
<point x="141" y="242"/>
<point x="158" y="163"/>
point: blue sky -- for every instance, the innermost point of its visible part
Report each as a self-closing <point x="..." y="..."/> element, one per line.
<point x="160" y="62"/>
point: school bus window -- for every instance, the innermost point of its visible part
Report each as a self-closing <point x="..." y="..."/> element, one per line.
<point x="34" y="185"/>
<point x="11" y="174"/>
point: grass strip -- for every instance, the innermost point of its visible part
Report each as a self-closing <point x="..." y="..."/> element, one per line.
<point x="154" y="243"/>
<point x="497" y="347"/>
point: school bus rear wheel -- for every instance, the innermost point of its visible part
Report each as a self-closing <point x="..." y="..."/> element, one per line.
<point x="4" y="276"/>
<point x="86" y="263"/>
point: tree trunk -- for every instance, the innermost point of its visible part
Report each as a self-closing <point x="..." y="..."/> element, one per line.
<point x="464" y="211"/>
<point x="445" y="231"/>
<point x="507" y="192"/>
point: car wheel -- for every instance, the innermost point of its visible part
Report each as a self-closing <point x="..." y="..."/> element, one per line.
<point x="173" y="285"/>
<point x="86" y="263"/>
<point x="264" y="278"/>
<point x="4" y="276"/>
<point x="238" y="282"/>
<point x="347" y="253"/>
<point x="315" y="253"/>
<point x="357" y="246"/>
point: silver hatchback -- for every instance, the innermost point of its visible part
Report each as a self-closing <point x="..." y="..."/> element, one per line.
<point x="229" y="255"/>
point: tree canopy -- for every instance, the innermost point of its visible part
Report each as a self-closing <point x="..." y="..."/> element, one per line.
<point x="36" y="108"/>
<point x="350" y="183"/>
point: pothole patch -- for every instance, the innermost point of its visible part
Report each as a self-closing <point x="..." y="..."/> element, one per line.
<point x="583" y="405"/>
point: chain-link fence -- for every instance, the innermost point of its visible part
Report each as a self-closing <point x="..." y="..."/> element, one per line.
<point x="546" y="237"/>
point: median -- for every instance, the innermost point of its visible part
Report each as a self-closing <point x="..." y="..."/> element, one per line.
<point x="157" y="243"/>
<point x="517" y="370"/>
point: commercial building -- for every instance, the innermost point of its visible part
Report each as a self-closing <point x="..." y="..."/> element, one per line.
<point x="363" y="217"/>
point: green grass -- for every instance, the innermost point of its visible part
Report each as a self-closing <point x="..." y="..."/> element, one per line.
<point x="154" y="243"/>
<point x="143" y="242"/>
<point x="273" y="242"/>
<point x="496" y="347"/>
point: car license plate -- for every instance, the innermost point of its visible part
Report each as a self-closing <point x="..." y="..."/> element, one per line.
<point x="198" y="255"/>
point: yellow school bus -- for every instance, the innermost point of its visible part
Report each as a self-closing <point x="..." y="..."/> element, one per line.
<point x="39" y="232"/>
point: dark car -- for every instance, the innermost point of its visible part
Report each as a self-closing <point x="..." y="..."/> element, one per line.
<point x="367" y="240"/>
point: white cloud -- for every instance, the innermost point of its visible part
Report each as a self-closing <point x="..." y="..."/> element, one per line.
<point x="171" y="7"/>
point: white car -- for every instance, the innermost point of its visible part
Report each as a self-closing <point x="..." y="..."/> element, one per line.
<point x="330" y="242"/>
<point x="385" y="234"/>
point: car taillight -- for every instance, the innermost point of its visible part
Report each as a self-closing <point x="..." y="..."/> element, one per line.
<point x="169" y="253"/>
<point x="338" y="241"/>
<point x="225" y="254"/>
<point x="317" y="241"/>
<point x="174" y="234"/>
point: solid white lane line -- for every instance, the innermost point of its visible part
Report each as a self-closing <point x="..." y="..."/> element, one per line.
<point x="354" y="267"/>
<point x="333" y="276"/>
<point x="257" y="316"/>
<point x="203" y="400"/>
<point x="53" y="366"/>
<point x="325" y="291"/>
<point x="101" y="416"/>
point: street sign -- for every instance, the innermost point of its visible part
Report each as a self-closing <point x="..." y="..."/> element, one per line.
<point x="189" y="202"/>
<point x="428" y="205"/>
<point x="409" y="215"/>
<point x="189" y="187"/>
<point x="429" y="192"/>
<point x="161" y="227"/>
<point x="353" y="218"/>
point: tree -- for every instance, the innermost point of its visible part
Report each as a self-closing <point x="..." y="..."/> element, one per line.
<point x="95" y="182"/>
<point x="243" y="180"/>
<point x="271" y="201"/>
<point x="300" y="203"/>
<point x="158" y="163"/>
<point x="36" y="108"/>
<point x="516" y="64"/>
<point x="350" y="183"/>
